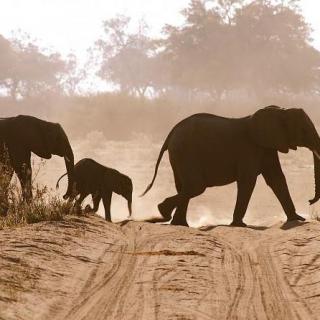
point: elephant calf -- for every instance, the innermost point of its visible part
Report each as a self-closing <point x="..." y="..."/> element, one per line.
<point x="90" y="177"/>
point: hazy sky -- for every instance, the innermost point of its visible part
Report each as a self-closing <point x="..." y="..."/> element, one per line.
<point x="73" y="25"/>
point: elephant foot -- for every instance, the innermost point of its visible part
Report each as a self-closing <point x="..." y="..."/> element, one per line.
<point x="88" y="209"/>
<point x="238" y="224"/>
<point x="179" y="223"/>
<point x="296" y="217"/>
<point x="156" y="220"/>
<point x="163" y="209"/>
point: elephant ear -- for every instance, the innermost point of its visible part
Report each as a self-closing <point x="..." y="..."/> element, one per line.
<point x="269" y="128"/>
<point x="27" y="132"/>
<point x="40" y="145"/>
<point x="295" y="121"/>
<point x="52" y="135"/>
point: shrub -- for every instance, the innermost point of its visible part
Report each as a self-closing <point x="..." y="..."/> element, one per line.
<point x="45" y="206"/>
<point x="314" y="213"/>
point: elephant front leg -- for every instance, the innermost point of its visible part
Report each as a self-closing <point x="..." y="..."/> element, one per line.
<point x="276" y="180"/>
<point x="96" y="197"/>
<point x="245" y="188"/>
<point x="107" y="205"/>
<point x="78" y="202"/>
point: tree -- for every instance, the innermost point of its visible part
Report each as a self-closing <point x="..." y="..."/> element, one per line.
<point x="276" y="54"/>
<point x="29" y="71"/>
<point x="224" y="45"/>
<point x="196" y="51"/>
<point x="7" y="61"/>
<point x="126" y="58"/>
<point x="72" y="76"/>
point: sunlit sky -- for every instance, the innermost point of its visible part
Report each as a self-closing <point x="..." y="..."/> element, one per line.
<point x="73" y="25"/>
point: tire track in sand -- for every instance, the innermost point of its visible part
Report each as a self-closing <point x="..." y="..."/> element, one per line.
<point x="157" y="272"/>
<point x="101" y="299"/>
<point x="257" y="287"/>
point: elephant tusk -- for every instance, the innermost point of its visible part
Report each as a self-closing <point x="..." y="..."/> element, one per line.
<point x="316" y="153"/>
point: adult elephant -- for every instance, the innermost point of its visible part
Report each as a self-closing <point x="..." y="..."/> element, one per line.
<point x="206" y="150"/>
<point x="21" y="135"/>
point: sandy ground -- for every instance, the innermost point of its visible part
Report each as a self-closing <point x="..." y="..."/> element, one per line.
<point x="86" y="268"/>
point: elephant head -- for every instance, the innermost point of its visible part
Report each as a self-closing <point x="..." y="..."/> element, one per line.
<point x="123" y="186"/>
<point x="44" y="139"/>
<point x="284" y="129"/>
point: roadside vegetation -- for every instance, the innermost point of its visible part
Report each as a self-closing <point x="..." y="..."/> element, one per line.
<point x="46" y="206"/>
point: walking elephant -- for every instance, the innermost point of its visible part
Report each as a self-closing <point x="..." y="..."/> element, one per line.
<point x="21" y="135"/>
<point x="207" y="150"/>
<point x="91" y="177"/>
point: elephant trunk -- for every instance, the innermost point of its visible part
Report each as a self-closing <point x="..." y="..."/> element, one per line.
<point x="130" y="206"/>
<point x="316" y="159"/>
<point x="69" y="161"/>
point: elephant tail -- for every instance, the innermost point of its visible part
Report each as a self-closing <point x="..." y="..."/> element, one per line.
<point x="163" y="149"/>
<point x="57" y="185"/>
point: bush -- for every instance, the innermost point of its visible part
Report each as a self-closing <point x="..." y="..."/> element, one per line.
<point x="315" y="213"/>
<point x="45" y="206"/>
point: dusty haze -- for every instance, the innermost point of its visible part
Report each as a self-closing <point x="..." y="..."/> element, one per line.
<point x="135" y="154"/>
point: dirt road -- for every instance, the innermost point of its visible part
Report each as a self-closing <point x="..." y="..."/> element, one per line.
<point x="85" y="268"/>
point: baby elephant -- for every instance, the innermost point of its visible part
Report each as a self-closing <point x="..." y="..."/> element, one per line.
<point x="90" y="177"/>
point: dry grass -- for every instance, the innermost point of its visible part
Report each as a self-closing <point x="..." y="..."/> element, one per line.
<point x="315" y="213"/>
<point x="46" y="206"/>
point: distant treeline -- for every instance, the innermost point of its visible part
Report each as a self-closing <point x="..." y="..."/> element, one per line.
<point x="123" y="117"/>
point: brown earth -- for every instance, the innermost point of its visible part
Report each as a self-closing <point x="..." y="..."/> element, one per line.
<point x="86" y="268"/>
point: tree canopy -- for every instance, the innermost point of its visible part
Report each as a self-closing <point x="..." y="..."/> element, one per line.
<point x="25" y="70"/>
<point x="223" y="45"/>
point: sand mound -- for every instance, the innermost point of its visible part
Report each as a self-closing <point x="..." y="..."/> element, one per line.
<point x="85" y="268"/>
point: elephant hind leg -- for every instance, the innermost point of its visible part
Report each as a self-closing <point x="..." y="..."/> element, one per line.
<point x="180" y="215"/>
<point x="167" y="206"/>
<point x="182" y="202"/>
